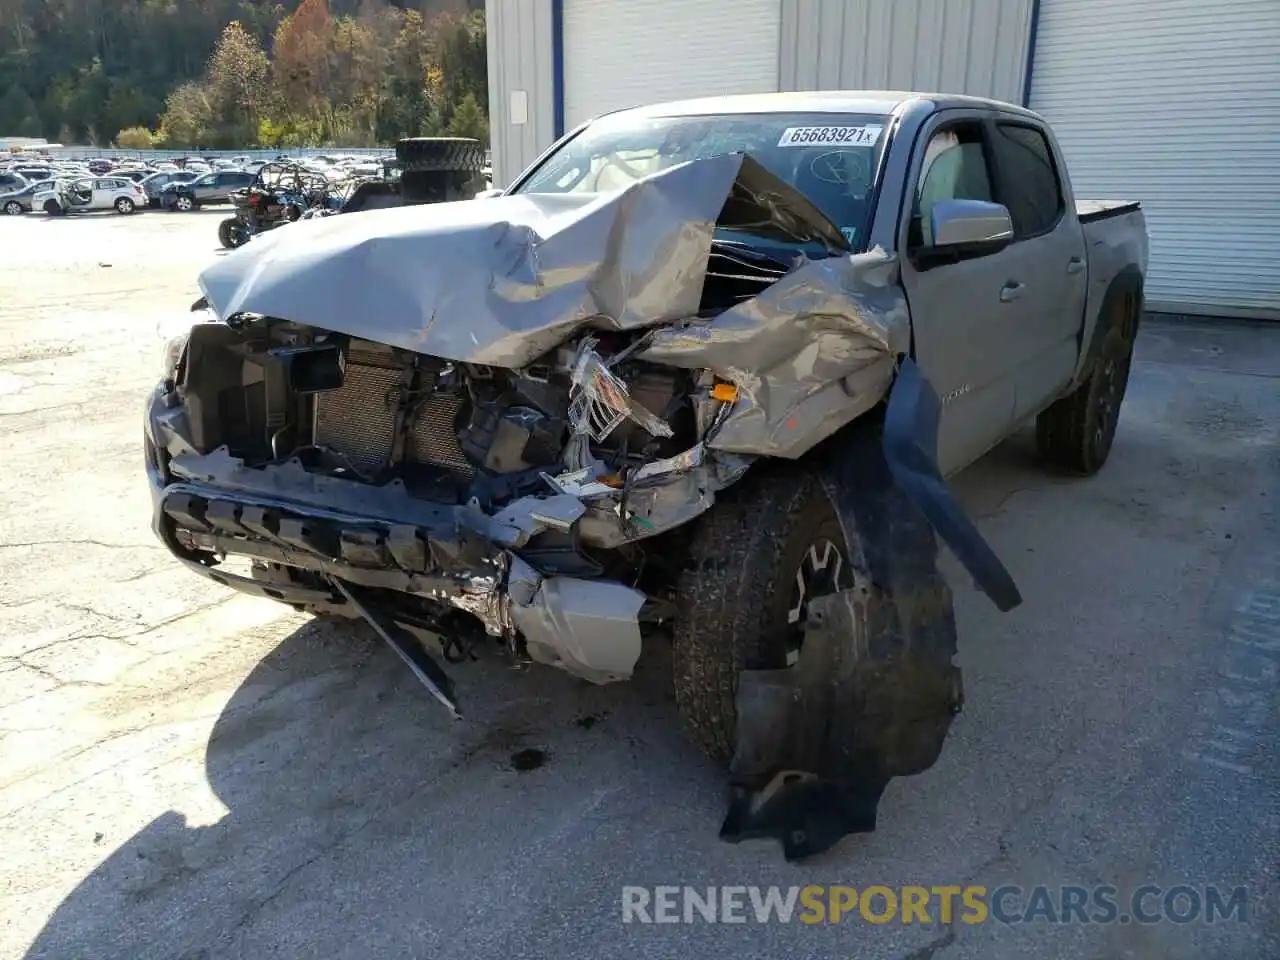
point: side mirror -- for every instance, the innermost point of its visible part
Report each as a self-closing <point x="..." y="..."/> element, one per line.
<point x="970" y="226"/>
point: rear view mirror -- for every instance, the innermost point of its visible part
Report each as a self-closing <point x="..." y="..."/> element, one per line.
<point x="965" y="226"/>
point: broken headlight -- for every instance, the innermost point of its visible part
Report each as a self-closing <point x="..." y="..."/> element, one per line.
<point x="171" y="355"/>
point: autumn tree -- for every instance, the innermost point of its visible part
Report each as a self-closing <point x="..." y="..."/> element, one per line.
<point x="301" y="59"/>
<point x="136" y="138"/>
<point x="236" y="85"/>
<point x="404" y="110"/>
<point x="188" y="116"/>
<point x="355" y="78"/>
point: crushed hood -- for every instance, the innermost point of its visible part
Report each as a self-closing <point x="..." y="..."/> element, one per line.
<point x="503" y="280"/>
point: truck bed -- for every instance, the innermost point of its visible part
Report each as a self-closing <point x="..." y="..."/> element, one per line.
<point x="1089" y="210"/>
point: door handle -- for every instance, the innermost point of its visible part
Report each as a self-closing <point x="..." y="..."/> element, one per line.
<point x="1011" y="291"/>
<point x="1075" y="265"/>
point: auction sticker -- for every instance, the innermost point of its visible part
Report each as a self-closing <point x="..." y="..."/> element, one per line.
<point x="864" y="136"/>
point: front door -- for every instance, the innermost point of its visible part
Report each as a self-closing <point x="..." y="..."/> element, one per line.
<point x="960" y="323"/>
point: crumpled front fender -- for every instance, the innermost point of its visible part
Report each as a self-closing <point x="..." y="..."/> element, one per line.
<point x="874" y="691"/>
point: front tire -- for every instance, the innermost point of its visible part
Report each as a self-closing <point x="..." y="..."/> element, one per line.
<point x="124" y="205"/>
<point x="13" y="208"/>
<point x="764" y="550"/>
<point x="53" y="208"/>
<point x="1076" y="433"/>
<point x="184" y="204"/>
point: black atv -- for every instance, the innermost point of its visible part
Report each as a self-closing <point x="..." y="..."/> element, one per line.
<point x="281" y="193"/>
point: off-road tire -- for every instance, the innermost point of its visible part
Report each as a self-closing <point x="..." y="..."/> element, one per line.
<point x="1076" y="433"/>
<point x="734" y="599"/>
<point x="453" y="154"/>
<point x="227" y="233"/>
<point x="291" y="212"/>
<point x="124" y="206"/>
<point x="13" y="208"/>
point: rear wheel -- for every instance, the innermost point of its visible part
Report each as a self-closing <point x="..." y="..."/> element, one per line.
<point x="232" y="233"/>
<point x="13" y="208"/>
<point x="1076" y="433"/>
<point x="124" y="205"/>
<point x="184" y="203"/>
<point x="53" y="208"/>
<point x="759" y="556"/>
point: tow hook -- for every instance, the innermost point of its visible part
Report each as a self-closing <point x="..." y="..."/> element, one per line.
<point x="406" y="647"/>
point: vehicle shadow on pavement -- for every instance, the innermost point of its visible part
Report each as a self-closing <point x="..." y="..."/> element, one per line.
<point x="330" y="750"/>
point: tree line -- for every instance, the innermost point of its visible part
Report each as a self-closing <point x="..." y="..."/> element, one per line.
<point x="239" y="73"/>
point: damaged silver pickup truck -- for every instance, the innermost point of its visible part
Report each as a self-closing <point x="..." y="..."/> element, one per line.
<point x="705" y="365"/>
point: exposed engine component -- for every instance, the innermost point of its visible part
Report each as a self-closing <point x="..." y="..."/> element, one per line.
<point x="449" y="431"/>
<point x="598" y="400"/>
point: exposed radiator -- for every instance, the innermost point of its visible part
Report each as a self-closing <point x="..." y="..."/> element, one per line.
<point x="358" y="421"/>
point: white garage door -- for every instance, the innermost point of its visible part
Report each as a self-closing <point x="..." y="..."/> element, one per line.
<point x="1176" y="103"/>
<point x="621" y="53"/>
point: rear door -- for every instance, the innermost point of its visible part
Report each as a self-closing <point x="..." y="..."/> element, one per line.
<point x="104" y="194"/>
<point x="1048" y="282"/>
<point x="959" y="321"/>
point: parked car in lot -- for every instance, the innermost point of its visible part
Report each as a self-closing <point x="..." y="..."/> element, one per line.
<point x="705" y="363"/>
<point x="215" y="187"/>
<point x="154" y="184"/>
<point x="17" y="202"/>
<point x="10" y="181"/>
<point x="96" y="193"/>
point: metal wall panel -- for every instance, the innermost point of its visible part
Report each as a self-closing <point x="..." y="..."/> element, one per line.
<point x="521" y="72"/>
<point x="976" y="47"/>
<point x="623" y="53"/>
<point x="1176" y="103"/>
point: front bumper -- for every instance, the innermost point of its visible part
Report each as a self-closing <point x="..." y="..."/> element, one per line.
<point x="209" y="506"/>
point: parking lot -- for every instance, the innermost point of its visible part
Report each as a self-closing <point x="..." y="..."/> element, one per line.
<point x="189" y="773"/>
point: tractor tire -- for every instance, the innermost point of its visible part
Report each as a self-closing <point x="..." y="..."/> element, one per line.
<point x="1075" y="434"/>
<point x="764" y="541"/>
<point x="451" y="154"/>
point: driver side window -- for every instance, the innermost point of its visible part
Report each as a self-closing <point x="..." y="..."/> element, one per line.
<point x="954" y="168"/>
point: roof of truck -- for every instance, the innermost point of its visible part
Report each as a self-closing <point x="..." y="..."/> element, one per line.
<point x="819" y="101"/>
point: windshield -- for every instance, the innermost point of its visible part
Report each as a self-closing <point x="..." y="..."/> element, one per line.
<point x="830" y="158"/>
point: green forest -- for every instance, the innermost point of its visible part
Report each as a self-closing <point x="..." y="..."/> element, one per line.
<point x="241" y="73"/>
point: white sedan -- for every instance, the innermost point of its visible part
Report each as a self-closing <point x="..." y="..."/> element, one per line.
<point x="90" y="193"/>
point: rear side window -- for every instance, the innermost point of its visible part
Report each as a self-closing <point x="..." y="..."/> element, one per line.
<point x="1029" y="184"/>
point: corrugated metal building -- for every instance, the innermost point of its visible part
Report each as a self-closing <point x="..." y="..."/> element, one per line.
<point x="1172" y="102"/>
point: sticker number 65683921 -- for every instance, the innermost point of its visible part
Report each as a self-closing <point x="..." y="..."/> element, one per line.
<point x="865" y="136"/>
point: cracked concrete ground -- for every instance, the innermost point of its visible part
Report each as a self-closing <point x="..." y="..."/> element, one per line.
<point x="185" y="773"/>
